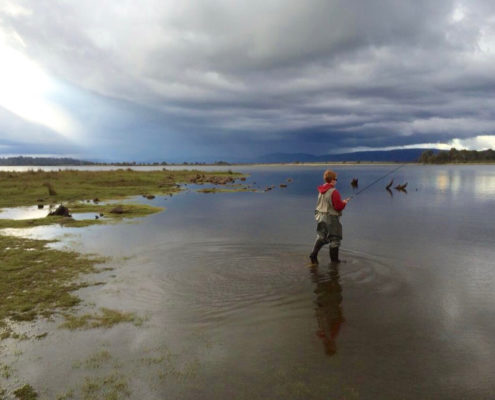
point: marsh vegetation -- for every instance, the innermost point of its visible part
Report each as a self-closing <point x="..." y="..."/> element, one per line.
<point x="38" y="281"/>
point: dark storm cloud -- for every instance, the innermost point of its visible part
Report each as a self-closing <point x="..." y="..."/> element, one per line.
<point x="271" y="75"/>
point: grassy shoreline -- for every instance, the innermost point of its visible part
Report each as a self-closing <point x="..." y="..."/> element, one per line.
<point x="37" y="281"/>
<point x="49" y="187"/>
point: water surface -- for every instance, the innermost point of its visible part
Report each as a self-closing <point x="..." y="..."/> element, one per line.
<point x="234" y="311"/>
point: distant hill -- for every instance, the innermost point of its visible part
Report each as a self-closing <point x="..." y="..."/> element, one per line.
<point x="41" y="161"/>
<point x="409" y="155"/>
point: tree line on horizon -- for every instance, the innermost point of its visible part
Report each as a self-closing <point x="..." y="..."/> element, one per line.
<point x="427" y="157"/>
<point x="41" y="161"/>
<point x="54" y="161"/>
<point x="457" y="156"/>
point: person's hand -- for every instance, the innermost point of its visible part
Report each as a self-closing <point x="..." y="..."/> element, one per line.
<point x="347" y="200"/>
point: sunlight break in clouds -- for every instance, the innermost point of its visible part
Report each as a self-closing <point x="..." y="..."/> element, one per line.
<point x="24" y="91"/>
<point x="482" y="142"/>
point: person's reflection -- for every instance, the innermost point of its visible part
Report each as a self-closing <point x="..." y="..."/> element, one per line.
<point x="328" y="306"/>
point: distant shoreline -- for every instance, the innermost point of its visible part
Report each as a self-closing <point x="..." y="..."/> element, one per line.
<point x="355" y="163"/>
<point x="199" y="166"/>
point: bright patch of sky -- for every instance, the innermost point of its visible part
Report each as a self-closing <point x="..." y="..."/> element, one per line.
<point x="25" y="91"/>
<point x="484" y="142"/>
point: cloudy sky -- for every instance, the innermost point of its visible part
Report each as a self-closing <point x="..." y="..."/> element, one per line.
<point x="204" y="80"/>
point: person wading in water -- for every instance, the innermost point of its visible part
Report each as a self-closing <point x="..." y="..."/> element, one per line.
<point x="327" y="214"/>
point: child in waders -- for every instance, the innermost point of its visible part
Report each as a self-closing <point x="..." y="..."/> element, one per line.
<point x="327" y="214"/>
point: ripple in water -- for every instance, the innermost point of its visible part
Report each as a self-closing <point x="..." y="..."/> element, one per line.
<point x="217" y="279"/>
<point x="362" y="270"/>
<point x="221" y="278"/>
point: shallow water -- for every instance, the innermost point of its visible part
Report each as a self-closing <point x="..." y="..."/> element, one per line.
<point x="19" y="213"/>
<point x="234" y="311"/>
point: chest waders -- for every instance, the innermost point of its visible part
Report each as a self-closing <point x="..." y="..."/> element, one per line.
<point x="329" y="228"/>
<point x="334" y="251"/>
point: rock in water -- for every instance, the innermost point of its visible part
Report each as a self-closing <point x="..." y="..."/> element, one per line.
<point x="61" y="211"/>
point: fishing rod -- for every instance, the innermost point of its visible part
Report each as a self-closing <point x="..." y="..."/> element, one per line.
<point x="375" y="181"/>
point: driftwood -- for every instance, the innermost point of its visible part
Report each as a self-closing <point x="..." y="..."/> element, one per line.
<point x="51" y="190"/>
<point x="402" y="188"/>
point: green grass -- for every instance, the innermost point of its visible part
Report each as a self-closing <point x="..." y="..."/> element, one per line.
<point x="5" y="371"/>
<point x="33" y="187"/>
<point x="111" y="387"/>
<point x="95" y="361"/>
<point x="36" y="280"/>
<point x="106" y="319"/>
<point x="26" y="393"/>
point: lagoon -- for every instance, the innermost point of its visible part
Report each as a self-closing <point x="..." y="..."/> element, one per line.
<point x="233" y="310"/>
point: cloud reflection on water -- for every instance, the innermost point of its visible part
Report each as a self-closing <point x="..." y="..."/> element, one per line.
<point x="19" y="213"/>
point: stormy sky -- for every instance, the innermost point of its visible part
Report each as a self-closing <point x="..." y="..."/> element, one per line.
<point x="231" y="79"/>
